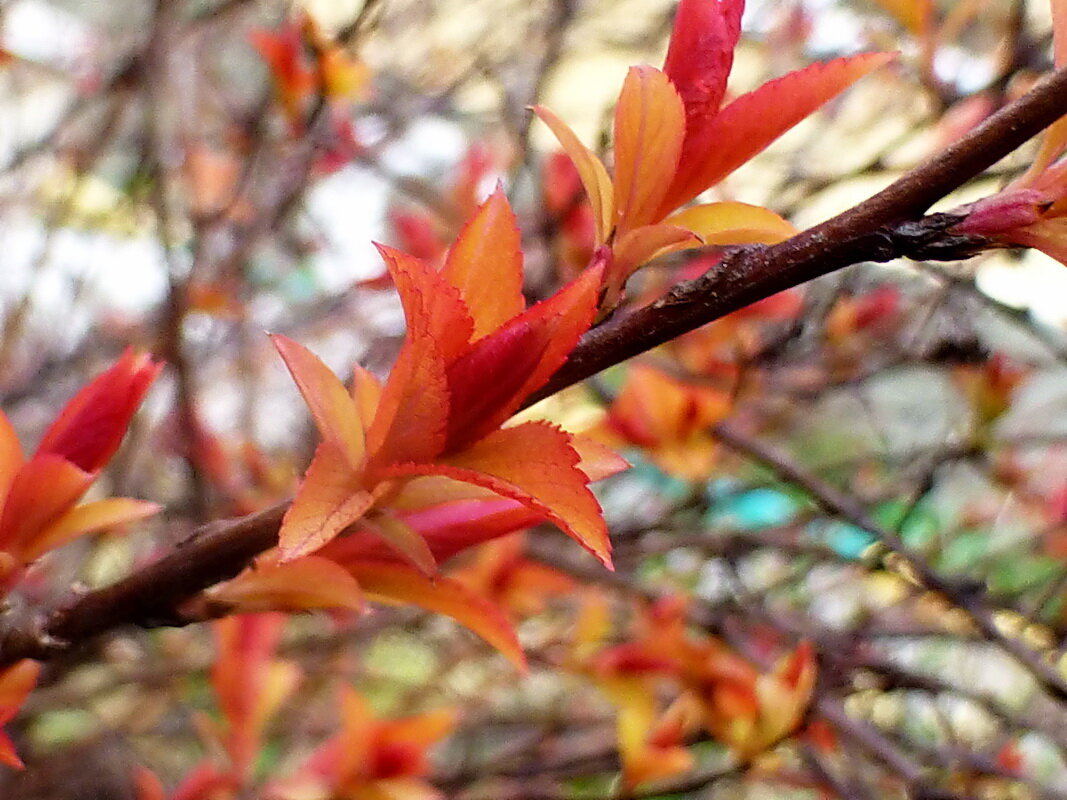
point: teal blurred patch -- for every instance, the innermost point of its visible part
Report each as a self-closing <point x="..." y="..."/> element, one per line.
<point x="751" y="510"/>
<point x="848" y="541"/>
<point x="660" y="482"/>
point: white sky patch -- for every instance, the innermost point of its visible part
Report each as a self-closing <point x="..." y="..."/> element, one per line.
<point x="41" y="32"/>
<point x="1036" y="282"/>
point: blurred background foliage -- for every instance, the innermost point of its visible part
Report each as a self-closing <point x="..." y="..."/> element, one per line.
<point x="873" y="463"/>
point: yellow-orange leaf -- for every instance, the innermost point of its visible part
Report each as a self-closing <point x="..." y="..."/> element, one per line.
<point x="431" y="303"/>
<point x="733" y="223"/>
<point x="591" y="170"/>
<point x="398" y="583"/>
<point x="412" y="417"/>
<point x="641" y="245"/>
<point x="306" y="583"/>
<point x="366" y="393"/>
<point x="485" y="264"/>
<point x="335" y="415"/>
<point x="649" y="129"/>
<point x="404" y="540"/>
<point x="88" y="518"/>
<point x="330" y="499"/>
<point x="915" y="15"/>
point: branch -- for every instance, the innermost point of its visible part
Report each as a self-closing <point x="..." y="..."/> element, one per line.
<point x="879" y="229"/>
<point x="886" y="226"/>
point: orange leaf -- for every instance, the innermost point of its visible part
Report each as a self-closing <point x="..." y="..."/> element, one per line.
<point x="591" y="170"/>
<point x="485" y="264"/>
<point x="598" y="461"/>
<point x="147" y="785"/>
<point x="399" y="583"/>
<point x="366" y="394"/>
<point x="16" y="682"/>
<point x="750" y="123"/>
<point x="534" y="464"/>
<point x="306" y="583"/>
<point x="44" y="488"/>
<point x="641" y="245"/>
<point x="87" y="518"/>
<point x="330" y="499"/>
<point x="649" y="128"/>
<point x="405" y="541"/>
<point x="431" y="303"/>
<point x="733" y="223"/>
<point x="412" y="418"/>
<point x="333" y="410"/>
<point x="10" y="456"/>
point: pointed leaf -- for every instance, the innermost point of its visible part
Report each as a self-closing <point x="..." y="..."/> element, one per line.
<point x="701" y="54"/>
<point x="733" y="223"/>
<point x="503" y="369"/>
<point x="404" y="540"/>
<point x="399" y="583"/>
<point x="431" y="302"/>
<point x="534" y="464"/>
<point x="594" y="176"/>
<point x="649" y="129"/>
<point x="90" y="428"/>
<point x="485" y="264"/>
<point x="10" y="456"/>
<point x="754" y="120"/>
<point x="329" y="500"/>
<point x="598" y="461"/>
<point x="1053" y="143"/>
<point x="87" y="518"/>
<point x="366" y="394"/>
<point x="640" y="246"/>
<point x="412" y="418"/>
<point x="16" y="682"/>
<point x="333" y="410"/>
<point x="448" y="528"/>
<point x="307" y="583"/>
<point x="44" y="488"/>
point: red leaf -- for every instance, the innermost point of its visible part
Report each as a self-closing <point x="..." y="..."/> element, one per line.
<point x="503" y="369"/>
<point x="91" y="426"/>
<point x="701" y="54"/>
<point x="754" y="120"/>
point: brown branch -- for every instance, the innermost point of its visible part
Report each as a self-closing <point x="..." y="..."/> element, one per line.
<point x="965" y="596"/>
<point x="878" y="229"/>
<point x="883" y="227"/>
